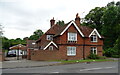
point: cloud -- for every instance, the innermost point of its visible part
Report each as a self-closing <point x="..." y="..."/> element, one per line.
<point x="21" y="18"/>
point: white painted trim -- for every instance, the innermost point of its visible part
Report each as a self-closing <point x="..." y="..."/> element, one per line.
<point x="50" y="44"/>
<point x="94" y="50"/>
<point x="96" y="39"/>
<point x="71" y="54"/>
<point x="75" y="27"/>
<point x="69" y="36"/>
<point x="96" y="32"/>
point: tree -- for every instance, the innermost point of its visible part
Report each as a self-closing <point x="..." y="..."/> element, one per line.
<point x="111" y="25"/>
<point x="107" y="21"/>
<point x="1" y="31"/>
<point x="60" y="23"/>
<point x="36" y="35"/>
<point x="93" y="18"/>
<point x="5" y="43"/>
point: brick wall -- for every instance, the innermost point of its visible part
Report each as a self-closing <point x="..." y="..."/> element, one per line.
<point x="45" y="55"/>
<point x="88" y="48"/>
<point x="63" y="53"/>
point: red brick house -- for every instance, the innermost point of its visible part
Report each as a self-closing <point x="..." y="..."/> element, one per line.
<point x="69" y="41"/>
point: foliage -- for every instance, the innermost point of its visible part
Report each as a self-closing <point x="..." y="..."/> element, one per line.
<point x="111" y="52"/>
<point x="60" y="23"/>
<point x="1" y="31"/>
<point x="36" y="35"/>
<point x="93" y="56"/>
<point x="102" y="57"/>
<point x="6" y="43"/>
<point x="106" y="20"/>
<point x="93" y="18"/>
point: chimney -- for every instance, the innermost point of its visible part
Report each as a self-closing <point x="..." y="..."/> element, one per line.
<point x="52" y="22"/>
<point x="77" y="19"/>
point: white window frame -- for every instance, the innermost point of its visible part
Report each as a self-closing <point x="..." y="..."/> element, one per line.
<point x="49" y="37"/>
<point x="71" y="51"/>
<point x="50" y="47"/>
<point x="72" y="36"/>
<point x="93" y="50"/>
<point x="94" y="38"/>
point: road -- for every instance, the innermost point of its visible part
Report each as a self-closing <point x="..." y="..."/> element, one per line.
<point x="98" y="67"/>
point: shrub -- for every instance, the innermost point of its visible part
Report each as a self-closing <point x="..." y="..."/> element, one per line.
<point x="111" y="52"/>
<point x="102" y="57"/>
<point x="115" y="56"/>
<point x="93" y="56"/>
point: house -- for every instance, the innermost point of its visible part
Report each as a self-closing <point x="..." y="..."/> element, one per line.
<point x="71" y="41"/>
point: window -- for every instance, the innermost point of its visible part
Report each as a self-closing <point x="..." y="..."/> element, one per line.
<point x="93" y="38"/>
<point x="51" y="48"/>
<point x="72" y="36"/>
<point x="49" y="37"/>
<point x="71" y="51"/>
<point x="94" y="50"/>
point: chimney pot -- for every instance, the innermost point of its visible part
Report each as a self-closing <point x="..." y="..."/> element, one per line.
<point x="77" y="19"/>
<point x="52" y="22"/>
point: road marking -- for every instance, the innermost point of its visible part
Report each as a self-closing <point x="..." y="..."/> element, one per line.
<point x="97" y="68"/>
<point x="54" y="72"/>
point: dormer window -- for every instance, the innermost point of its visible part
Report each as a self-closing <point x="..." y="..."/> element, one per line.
<point x="72" y="36"/>
<point x="49" y="37"/>
<point x="51" y="48"/>
<point x="93" y="38"/>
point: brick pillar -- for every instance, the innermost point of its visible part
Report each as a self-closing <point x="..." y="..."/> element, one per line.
<point x="28" y="54"/>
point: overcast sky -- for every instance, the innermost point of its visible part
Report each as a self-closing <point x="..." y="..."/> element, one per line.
<point x="20" y="18"/>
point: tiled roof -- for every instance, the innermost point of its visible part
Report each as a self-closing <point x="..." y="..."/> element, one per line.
<point x="85" y="30"/>
<point x="57" y="29"/>
<point x="45" y="43"/>
<point x="19" y="46"/>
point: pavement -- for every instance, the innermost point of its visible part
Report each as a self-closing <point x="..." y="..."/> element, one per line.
<point x="13" y="63"/>
<point x="23" y="63"/>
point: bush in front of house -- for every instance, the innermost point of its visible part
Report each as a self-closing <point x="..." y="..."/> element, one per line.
<point x="93" y="56"/>
<point x="111" y="52"/>
<point x="102" y="57"/>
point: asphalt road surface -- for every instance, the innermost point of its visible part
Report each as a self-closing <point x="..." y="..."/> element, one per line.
<point x="98" y="67"/>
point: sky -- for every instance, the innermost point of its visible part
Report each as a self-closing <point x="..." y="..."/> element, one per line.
<point x="20" y="18"/>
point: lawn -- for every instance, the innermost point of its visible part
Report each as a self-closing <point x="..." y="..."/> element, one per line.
<point x="87" y="60"/>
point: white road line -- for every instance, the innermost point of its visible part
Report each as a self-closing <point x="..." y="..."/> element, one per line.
<point x="54" y="72"/>
<point x="96" y="68"/>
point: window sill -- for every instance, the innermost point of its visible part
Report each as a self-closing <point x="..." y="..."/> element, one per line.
<point x="71" y="55"/>
<point x="71" y="41"/>
<point x="94" y="41"/>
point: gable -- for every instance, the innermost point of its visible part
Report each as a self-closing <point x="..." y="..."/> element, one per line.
<point x="95" y="31"/>
<point x="74" y="26"/>
<point x="50" y="44"/>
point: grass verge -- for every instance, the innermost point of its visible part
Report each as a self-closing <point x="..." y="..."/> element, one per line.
<point x="87" y="60"/>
